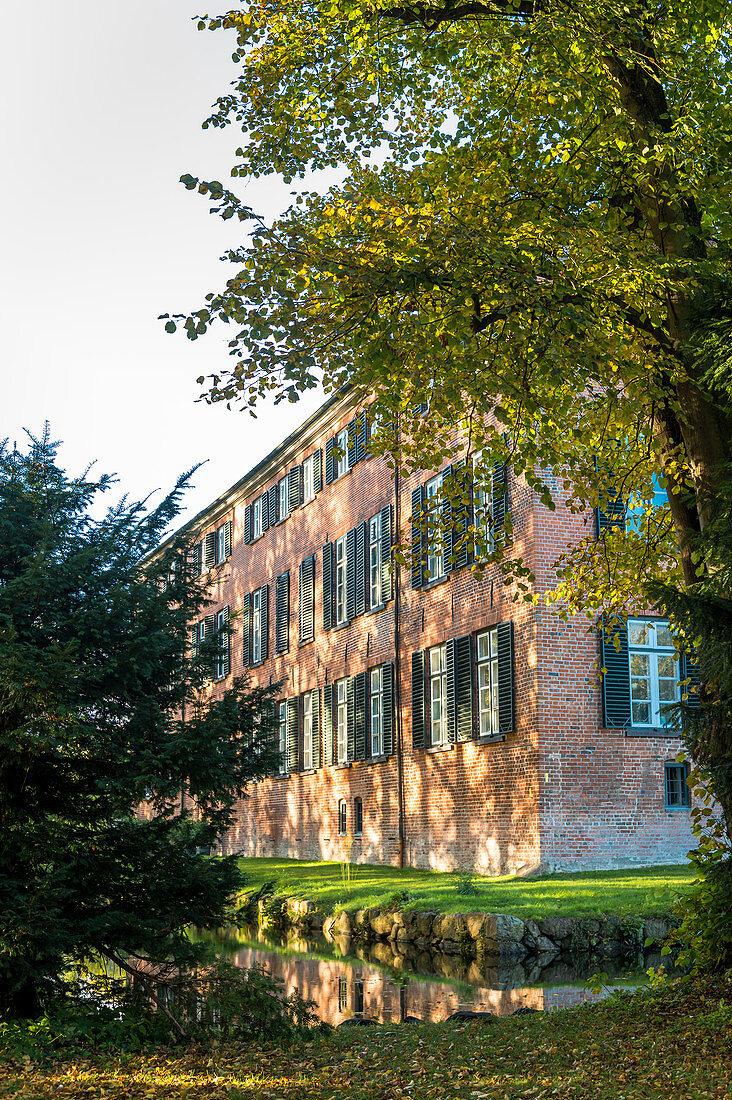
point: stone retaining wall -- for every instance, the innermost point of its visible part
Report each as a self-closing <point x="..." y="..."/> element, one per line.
<point x="472" y="935"/>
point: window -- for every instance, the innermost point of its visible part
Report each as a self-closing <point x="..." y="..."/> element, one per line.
<point x="341" y="723"/>
<point x="307" y="731"/>
<point x="257" y="626"/>
<point x="257" y="518"/>
<point x="677" y="794"/>
<point x="222" y="657"/>
<point x="282" y="737"/>
<point x="341" y="599"/>
<point x="375" y="598"/>
<point x="438" y="695"/>
<point x="284" y="495"/>
<point x="376" y="711"/>
<point x="487" y="655"/>
<point x="342" y="443"/>
<point x="640" y="507"/>
<point x="308" y="479"/>
<point x="307" y="600"/>
<point x="435" y="555"/>
<point x="482" y="500"/>
<point x="342" y="817"/>
<point x="357" y="816"/>
<point x="222" y="550"/>
<point x="654" y="672"/>
<point x="343" y="995"/>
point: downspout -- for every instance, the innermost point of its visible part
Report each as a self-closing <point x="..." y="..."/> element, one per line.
<point x="397" y="655"/>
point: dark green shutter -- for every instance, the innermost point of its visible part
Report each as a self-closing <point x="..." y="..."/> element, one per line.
<point x="361" y="567"/>
<point x="307" y="599"/>
<point x="318" y="470"/>
<point x="352" y="436"/>
<point x="274" y="504"/>
<point x="611" y="517"/>
<point x="209" y="551"/>
<point x="248" y="523"/>
<point x="691" y="671"/>
<point x="351" y="720"/>
<point x="227" y="539"/>
<point x="196" y="560"/>
<point x="359" y="691"/>
<point x="264" y="619"/>
<point x="460" y="689"/>
<point x="316" y="728"/>
<point x="506" y="716"/>
<point x="246" y="630"/>
<point x="451" y="691"/>
<point x="461" y="513"/>
<point x="386" y="553"/>
<point x="418" y="690"/>
<point x="328" y="724"/>
<point x="351" y="574"/>
<point x="329" y="461"/>
<point x="293" y="735"/>
<point x="616" y="711"/>
<point x="328" y="586"/>
<point x="294" y="483"/>
<point x="388" y="683"/>
<point x="417" y="538"/>
<point x="226" y="643"/>
<point x="499" y="501"/>
<point x="359" y="441"/>
<point x="282" y="613"/>
<point x="265" y="511"/>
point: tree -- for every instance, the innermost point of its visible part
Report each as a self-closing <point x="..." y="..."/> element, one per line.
<point x="102" y="709"/>
<point x="532" y="237"/>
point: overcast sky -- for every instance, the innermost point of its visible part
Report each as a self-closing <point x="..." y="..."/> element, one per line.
<point x="100" y="109"/>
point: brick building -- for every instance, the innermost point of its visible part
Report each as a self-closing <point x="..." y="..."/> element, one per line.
<point x="424" y="715"/>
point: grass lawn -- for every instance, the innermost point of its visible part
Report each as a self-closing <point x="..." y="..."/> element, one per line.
<point x="638" y="892"/>
<point x="675" y="1042"/>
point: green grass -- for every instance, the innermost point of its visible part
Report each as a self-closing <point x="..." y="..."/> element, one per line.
<point x="673" y="1042"/>
<point x="640" y="892"/>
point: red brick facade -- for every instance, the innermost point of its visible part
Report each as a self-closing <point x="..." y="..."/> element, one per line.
<point x="557" y="789"/>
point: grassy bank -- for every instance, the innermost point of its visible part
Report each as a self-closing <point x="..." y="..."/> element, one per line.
<point x="641" y="892"/>
<point x="674" y="1042"/>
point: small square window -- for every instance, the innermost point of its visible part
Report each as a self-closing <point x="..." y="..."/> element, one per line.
<point x="677" y="794"/>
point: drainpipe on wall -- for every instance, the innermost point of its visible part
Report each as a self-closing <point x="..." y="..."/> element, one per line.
<point x="397" y="654"/>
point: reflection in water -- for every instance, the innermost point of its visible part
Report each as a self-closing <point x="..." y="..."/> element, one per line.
<point x="428" y="987"/>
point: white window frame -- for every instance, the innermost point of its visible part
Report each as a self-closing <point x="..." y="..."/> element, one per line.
<point x="437" y="672"/>
<point x="654" y="672"/>
<point x="257" y="626"/>
<point x="341" y="722"/>
<point x="341" y="581"/>
<point x="257" y="519"/>
<point x="282" y="737"/>
<point x="223" y="652"/>
<point x="376" y="710"/>
<point x="307" y="731"/>
<point x="283" y="496"/>
<point x="308" y="479"/>
<point x="435" y="556"/>
<point x="483" y="504"/>
<point x="342" y="466"/>
<point x="486" y="652"/>
<point x="375" y="535"/>
<point x="221" y="544"/>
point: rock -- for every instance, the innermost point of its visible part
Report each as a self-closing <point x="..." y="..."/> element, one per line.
<point x="557" y="928"/>
<point x="361" y="919"/>
<point x="474" y="923"/>
<point x="498" y="926"/>
<point x="381" y="923"/>
<point x="537" y="943"/>
<point x="328" y="926"/>
<point x="424" y="922"/>
<point x="533" y="870"/>
<point x="343" y="926"/>
<point x="412" y="1020"/>
<point x="358" y="1021"/>
<point x="343" y="945"/>
<point x="656" y="929"/>
<point x="464" y="1015"/>
<point x="525" y="1010"/>
<point x="397" y="925"/>
<point x="452" y="926"/>
<point x="381" y="952"/>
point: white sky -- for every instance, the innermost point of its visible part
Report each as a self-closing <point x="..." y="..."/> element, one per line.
<point x="100" y="114"/>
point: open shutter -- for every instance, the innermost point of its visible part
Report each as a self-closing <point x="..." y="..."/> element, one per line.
<point x="248" y="524"/>
<point x="360" y="567"/>
<point x="462" y="508"/>
<point x="307" y="600"/>
<point x="460" y="689"/>
<point x="359" y="437"/>
<point x="446" y="519"/>
<point x="451" y="691"/>
<point x="691" y="671"/>
<point x="264" y="620"/>
<point x="209" y="551"/>
<point x="329" y="461"/>
<point x="293" y="735"/>
<point x="352" y="435"/>
<point x="227" y="539"/>
<point x="506" y="717"/>
<point x="328" y="586"/>
<point x="274" y="502"/>
<point x="388" y="681"/>
<point x="318" y="470"/>
<point x="418" y="688"/>
<point x="294" y="485"/>
<point x="193" y="640"/>
<point x="209" y="627"/>
<point x="611" y="516"/>
<point x="316" y="728"/>
<point x="196" y="559"/>
<point x="351" y="720"/>
<point x="328" y="724"/>
<point x="226" y="643"/>
<point x="246" y="630"/>
<point x="282" y="613"/>
<point x="386" y="553"/>
<point x="499" y="500"/>
<point x="616" y="713"/>
<point x="359" y="691"/>
<point x="351" y="574"/>
<point x="417" y="538"/>
<point x="265" y="511"/>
